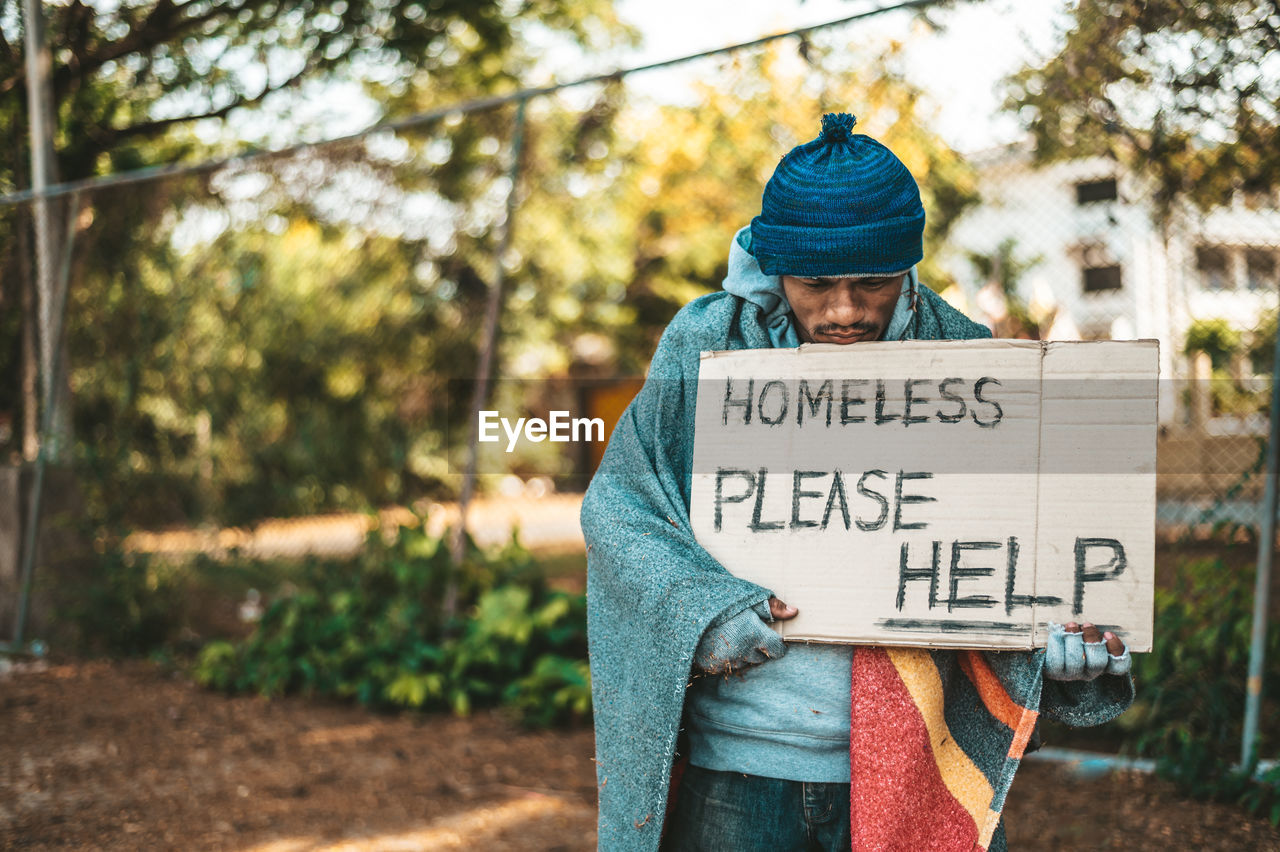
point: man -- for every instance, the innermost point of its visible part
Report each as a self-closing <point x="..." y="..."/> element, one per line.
<point x="807" y="746"/>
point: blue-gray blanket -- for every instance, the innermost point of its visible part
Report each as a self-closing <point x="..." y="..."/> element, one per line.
<point x="652" y="590"/>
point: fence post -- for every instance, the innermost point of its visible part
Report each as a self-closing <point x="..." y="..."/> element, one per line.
<point x="488" y="343"/>
<point x="1262" y="582"/>
<point x="48" y="422"/>
<point x="40" y="120"/>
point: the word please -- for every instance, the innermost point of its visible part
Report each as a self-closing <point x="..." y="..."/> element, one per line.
<point x="559" y="427"/>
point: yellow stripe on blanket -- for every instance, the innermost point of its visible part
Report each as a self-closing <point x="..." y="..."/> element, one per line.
<point x="988" y="830"/>
<point x="963" y="778"/>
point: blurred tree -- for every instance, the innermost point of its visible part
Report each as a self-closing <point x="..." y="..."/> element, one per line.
<point x="1182" y="92"/>
<point x="125" y="73"/>
<point x="278" y="338"/>
<point x="658" y="200"/>
<point x="1233" y="386"/>
<point x="1217" y="338"/>
<point x="147" y="83"/>
<point x="134" y="82"/>
<point x="1004" y="269"/>
<point x="1262" y="345"/>
<point x="297" y="352"/>
<point x="628" y="206"/>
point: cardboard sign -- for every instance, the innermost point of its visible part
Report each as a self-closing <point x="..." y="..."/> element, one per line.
<point x="959" y="494"/>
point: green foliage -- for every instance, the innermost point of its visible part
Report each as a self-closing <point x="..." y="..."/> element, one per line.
<point x="306" y="365"/>
<point x="1173" y="89"/>
<point x="1217" y="338"/>
<point x="118" y="66"/>
<point x="281" y="337"/>
<point x="1222" y="342"/>
<point x="129" y="605"/>
<point x="373" y="631"/>
<point x="1006" y="268"/>
<point x="274" y="342"/>
<point x="1262" y="344"/>
<point x="556" y="688"/>
<point x="1190" y="702"/>
<point x="275" y="346"/>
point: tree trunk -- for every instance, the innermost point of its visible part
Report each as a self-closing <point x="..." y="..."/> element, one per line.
<point x="10" y="547"/>
<point x="30" y="358"/>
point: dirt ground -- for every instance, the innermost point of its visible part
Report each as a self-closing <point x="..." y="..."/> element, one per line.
<point x="99" y="755"/>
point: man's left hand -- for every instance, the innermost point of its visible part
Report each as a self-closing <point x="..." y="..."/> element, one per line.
<point x="1082" y="652"/>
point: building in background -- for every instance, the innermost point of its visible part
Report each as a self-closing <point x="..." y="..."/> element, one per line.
<point x="1073" y="251"/>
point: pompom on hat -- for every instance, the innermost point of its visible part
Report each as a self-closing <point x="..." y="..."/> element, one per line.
<point x="841" y="204"/>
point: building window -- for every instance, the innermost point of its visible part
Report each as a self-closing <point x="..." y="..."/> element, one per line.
<point x="1096" y="190"/>
<point x="1099" y="278"/>
<point x="1099" y="266"/>
<point x="1260" y="269"/>
<point x="1211" y="262"/>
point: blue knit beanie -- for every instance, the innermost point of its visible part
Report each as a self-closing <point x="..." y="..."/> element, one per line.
<point x="842" y="204"/>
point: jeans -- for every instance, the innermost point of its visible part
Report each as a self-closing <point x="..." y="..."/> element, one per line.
<point x="731" y="812"/>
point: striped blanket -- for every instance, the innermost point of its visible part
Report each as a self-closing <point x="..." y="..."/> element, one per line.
<point x="922" y="749"/>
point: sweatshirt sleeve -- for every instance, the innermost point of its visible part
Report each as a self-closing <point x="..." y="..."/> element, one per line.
<point x="740" y="640"/>
<point x="1085" y="703"/>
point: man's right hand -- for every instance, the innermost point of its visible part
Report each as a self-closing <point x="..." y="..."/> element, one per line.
<point x="781" y="611"/>
<point x="743" y="639"/>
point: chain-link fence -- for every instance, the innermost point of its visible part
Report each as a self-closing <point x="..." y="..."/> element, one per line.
<point x="1077" y="251"/>
<point x="277" y="336"/>
<point x="299" y="333"/>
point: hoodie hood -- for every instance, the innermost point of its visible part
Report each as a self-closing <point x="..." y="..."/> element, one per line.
<point x="746" y="281"/>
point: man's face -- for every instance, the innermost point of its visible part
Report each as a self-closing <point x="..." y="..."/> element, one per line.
<point x="842" y="310"/>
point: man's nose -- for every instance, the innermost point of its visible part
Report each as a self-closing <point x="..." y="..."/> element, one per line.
<point x="846" y="307"/>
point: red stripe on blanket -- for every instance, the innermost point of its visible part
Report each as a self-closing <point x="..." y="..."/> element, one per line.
<point x="1022" y="735"/>
<point x="898" y="800"/>
<point x="993" y="694"/>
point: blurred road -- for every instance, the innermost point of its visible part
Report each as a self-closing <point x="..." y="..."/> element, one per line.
<point x="544" y="524"/>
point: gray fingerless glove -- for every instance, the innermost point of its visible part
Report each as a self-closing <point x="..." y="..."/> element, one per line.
<point x="740" y="640"/>
<point x="1068" y="657"/>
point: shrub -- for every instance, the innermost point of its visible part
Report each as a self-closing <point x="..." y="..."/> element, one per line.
<point x="1190" y="705"/>
<point x="373" y="630"/>
<point x="129" y="605"/>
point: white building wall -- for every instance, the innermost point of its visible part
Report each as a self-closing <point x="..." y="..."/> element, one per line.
<point x="1161" y="291"/>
